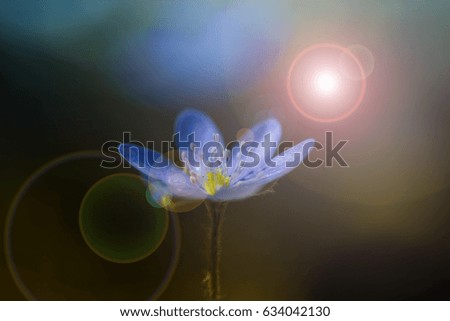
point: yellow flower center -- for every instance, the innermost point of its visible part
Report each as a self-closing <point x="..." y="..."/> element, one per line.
<point x="214" y="181"/>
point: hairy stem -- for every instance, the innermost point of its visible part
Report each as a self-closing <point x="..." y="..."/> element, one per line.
<point x="216" y="212"/>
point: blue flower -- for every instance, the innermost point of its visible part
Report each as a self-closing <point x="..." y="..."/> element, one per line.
<point x="210" y="170"/>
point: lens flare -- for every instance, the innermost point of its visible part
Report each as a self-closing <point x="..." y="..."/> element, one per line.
<point x="116" y="222"/>
<point x="326" y="82"/>
<point x="318" y="84"/>
<point x="56" y="253"/>
<point x="364" y="56"/>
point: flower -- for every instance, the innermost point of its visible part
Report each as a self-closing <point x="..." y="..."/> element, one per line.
<point x="210" y="170"/>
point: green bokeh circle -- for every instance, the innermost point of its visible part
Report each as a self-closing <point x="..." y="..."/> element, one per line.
<point x="116" y="221"/>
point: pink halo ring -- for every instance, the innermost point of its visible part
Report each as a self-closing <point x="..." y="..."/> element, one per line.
<point x="361" y="92"/>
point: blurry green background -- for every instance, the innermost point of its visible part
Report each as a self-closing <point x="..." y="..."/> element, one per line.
<point x="74" y="74"/>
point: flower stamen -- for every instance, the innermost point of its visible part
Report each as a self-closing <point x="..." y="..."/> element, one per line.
<point x="214" y="181"/>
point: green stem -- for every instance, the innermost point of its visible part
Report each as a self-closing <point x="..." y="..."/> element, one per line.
<point x="216" y="212"/>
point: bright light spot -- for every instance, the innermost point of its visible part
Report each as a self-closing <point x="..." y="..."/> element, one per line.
<point x="326" y="82"/>
<point x="318" y="84"/>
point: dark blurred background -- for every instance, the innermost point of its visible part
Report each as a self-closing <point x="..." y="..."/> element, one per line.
<point x="75" y="74"/>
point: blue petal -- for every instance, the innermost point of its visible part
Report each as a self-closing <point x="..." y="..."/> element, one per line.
<point x="175" y="188"/>
<point x="283" y="165"/>
<point x="179" y="185"/>
<point x="147" y="161"/>
<point x="157" y="167"/>
<point x="257" y="133"/>
<point x="194" y="126"/>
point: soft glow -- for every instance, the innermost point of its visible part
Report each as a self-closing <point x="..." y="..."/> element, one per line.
<point x="319" y="87"/>
<point x="326" y="82"/>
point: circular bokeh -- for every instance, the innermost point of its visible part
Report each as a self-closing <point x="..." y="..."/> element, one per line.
<point x="318" y="84"/>
<point x="117" y="223"/>
<point x="364" y="56"/>
<point x="47" y="255"/>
